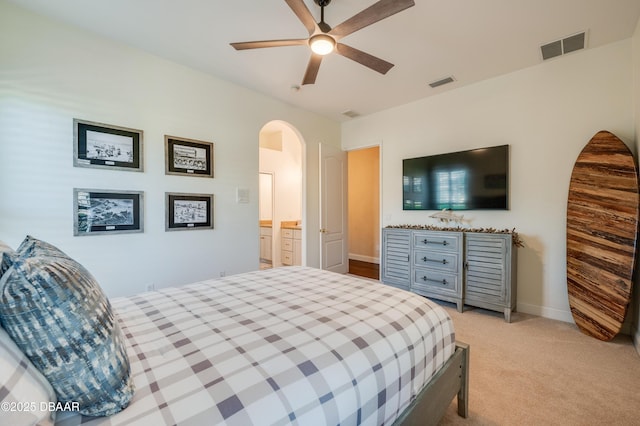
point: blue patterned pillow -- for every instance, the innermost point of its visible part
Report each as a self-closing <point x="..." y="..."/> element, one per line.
<point x="57" y="314"/>
<point x="33" y="247"/>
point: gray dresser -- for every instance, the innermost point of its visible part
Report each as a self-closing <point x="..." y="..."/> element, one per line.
<point x="466" y="268"/>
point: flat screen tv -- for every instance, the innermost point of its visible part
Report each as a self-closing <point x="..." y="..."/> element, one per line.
<point x="467" y="180"/>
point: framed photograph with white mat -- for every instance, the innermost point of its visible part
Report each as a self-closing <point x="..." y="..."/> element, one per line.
<point x="188" y="157"/>
<point x="102" y="211"/>
<point x="188" y="211"/>
<point x="106" y="146"/>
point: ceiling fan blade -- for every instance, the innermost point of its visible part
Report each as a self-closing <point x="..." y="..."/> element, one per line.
<point x="268" y="43"/>
<point x="312" y="69"/>
<point x="374" y="13"/>
<point x="303" y="14"/>
<point x="364" y="58"/>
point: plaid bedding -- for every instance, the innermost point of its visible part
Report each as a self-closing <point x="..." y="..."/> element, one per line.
<point x="290" y="345"/>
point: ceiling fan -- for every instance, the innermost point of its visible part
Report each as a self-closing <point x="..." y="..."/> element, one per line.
<point x="323" y="39"/>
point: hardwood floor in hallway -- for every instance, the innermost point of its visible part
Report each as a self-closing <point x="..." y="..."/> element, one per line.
<point x="364" y="269"/>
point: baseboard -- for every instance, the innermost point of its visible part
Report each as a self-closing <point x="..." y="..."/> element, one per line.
<point x="543" y="311"/>
<point x="565" y="316"/>
<point x="363" y="258"/>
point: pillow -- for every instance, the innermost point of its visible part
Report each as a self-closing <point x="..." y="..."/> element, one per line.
<point x="25" y="394"/>
<point x="58" y="315"/>
<point x="6" y="257"/>
<point x="33" y="247"/>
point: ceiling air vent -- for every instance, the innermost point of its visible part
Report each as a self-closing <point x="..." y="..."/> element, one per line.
<point x="350" y="113"/>
<point x="563" y="46"/>
<point x="441" y="82"/>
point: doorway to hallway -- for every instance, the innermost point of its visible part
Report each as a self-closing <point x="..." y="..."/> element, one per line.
<point x="363" y="178"/>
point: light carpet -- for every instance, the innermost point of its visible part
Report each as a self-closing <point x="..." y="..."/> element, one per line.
<point x="538" y="371"/>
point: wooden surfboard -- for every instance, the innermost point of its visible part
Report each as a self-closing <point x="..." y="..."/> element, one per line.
<point x="602" y="229"/>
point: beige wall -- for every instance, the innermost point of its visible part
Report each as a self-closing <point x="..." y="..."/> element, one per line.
<point x="364" y="202"/>
<point x="546" y="113"/>
<point x="51" y="73"/>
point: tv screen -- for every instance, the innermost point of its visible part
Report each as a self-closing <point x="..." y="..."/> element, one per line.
<point x="465" y="180"/>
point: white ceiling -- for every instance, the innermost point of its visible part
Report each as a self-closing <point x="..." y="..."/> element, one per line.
<point x="471" y="40"/>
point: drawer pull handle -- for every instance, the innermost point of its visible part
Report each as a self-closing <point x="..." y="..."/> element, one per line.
<point x="426" y="259"/>
<point x="442" y="281"/>
<point x="443" y="242"/>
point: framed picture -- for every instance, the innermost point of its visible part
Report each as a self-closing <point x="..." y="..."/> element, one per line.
<point x="188" y="211"/>
<point x="101" y="211"/>
<point x="188" y="157"/>
<point x="107" y="147"/>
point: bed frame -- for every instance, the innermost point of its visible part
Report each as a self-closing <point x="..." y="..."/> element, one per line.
<point x="433" y="400"/>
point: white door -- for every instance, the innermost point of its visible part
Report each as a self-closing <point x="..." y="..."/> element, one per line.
<point x="333" y="209"/>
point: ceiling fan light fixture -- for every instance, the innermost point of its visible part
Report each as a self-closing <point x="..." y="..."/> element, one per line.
<point x="322" y="44"/>
<point x="323" y="39"/>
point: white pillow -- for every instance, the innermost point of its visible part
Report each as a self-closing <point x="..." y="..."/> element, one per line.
<point x="7" y="255"/>
<point x="25" y="394"/>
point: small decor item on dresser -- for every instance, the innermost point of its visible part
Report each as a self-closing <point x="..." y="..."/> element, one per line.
<point x="106" y="146"/>
<point x="102" y="211"/>
<point x="188" y="211"/>
<point x="446" y="216"/>
<point x="188" y="157"/>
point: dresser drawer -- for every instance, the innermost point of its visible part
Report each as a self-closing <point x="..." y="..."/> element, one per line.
<point x="427" y="282"/>
<point x="287" y="233"/>
<point x="440" y="260"/>
<point x="264" y="231"/>
<point x="287" y="257"/>
<point x="437" y="241"/>
<point x="287" y="244"/>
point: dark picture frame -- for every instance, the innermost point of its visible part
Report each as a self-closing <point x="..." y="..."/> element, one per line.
<point x="188" y="211"/>
<point x="102" y="211"/>
<point x="188" y="157"/>
<point x="107" y="146"/>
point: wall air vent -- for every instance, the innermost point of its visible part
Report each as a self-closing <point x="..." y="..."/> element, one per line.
<point x="441" y="82"/>
<point x="350" y="113"/>
<point x="563" y="46"/>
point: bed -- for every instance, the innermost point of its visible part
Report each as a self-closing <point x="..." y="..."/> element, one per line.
<point x="291" y="345"/>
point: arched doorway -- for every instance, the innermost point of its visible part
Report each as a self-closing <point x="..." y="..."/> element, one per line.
<point x="281" y="189"/>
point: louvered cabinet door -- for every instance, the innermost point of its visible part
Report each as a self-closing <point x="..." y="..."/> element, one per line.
<point x="396" y="255"/>
<point x="489" y="272"/>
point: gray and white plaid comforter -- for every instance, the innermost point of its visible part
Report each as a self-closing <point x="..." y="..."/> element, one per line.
<point x="290" y="345"/>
